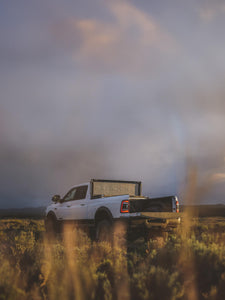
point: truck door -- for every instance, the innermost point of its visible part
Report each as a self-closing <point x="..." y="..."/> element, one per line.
<point x="74" y="205"/>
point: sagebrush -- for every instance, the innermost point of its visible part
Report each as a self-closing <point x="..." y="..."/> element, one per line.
<point x="188" y="265"/>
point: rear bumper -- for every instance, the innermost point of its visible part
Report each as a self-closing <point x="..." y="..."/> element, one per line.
<point x="147" y="221"/>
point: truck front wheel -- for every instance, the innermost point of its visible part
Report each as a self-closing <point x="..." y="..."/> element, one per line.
<point x="51" y="225"/>
<point x="104" y="231"/>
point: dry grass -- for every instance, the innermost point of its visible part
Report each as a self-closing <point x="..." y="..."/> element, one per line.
<point x="190" y="264"/>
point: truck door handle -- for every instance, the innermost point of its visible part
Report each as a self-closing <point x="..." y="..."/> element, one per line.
<point x="68" y="205"/>
<point x="82" y="204"/>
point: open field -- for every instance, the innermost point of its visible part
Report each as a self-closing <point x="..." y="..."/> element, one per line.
<point x="190" y="264"/>
<point x="213" y="210"/>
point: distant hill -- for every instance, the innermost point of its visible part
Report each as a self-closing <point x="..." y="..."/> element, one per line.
<point x="217" y="210"/>
<point x="27" y="212"/>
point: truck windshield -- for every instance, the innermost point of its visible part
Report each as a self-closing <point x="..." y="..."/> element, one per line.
<point x="115" y="188"/>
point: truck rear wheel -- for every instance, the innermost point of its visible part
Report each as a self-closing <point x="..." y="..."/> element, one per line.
<point x="104" y="231"/>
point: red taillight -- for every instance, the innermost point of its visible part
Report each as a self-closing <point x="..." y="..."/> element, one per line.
<point x="124" y="206"/>
<point x="177" y="206"/>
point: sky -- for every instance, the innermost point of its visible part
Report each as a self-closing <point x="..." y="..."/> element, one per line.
<point x="129" y="90"/>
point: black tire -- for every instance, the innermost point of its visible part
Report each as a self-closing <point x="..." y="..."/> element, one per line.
<point x="104" y="232"/>
<point x="51" y="225"/>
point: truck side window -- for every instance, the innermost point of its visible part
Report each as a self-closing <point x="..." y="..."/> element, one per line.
<point x="70" y="195"/>
<point x="81" y="192"/>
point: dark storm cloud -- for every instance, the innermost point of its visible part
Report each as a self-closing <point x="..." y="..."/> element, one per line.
<point x="30" y="176"/>
<point x="118" y="89"/>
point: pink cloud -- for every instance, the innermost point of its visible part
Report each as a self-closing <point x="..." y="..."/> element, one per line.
<point x="133" y="41"/>
<point x="211" y="9"/>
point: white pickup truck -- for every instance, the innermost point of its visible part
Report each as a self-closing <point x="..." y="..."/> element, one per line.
<point x="99" y="204"/>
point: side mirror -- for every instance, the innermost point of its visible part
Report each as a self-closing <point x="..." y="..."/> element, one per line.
<point x="56" y="198"/>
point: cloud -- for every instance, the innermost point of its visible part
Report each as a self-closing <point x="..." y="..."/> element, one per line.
<point x="109" y="90"/>
<point x="29" y="176"/>
<point x="131" y="41"/>
<point x="211" y="9"/>
<point x="219" y="177"/>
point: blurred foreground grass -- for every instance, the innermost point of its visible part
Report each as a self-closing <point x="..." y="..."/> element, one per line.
<point x="188" y="265"/>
